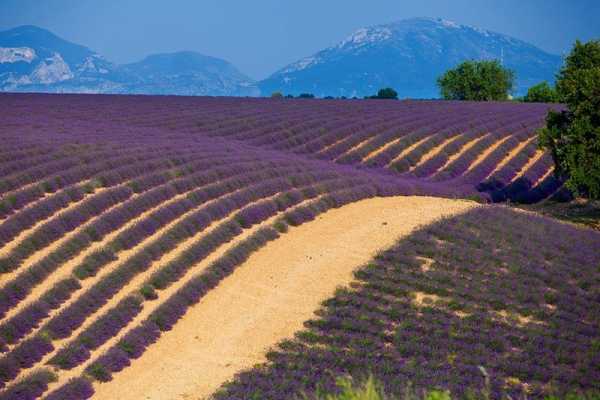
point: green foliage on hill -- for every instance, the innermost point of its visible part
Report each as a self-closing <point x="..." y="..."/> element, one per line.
<point x="541" y="93"/>
<point x="477" y="81"/>
<point x="573" y="135"/>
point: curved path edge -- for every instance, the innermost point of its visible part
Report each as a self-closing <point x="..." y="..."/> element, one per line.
<point x="268" y="298"/>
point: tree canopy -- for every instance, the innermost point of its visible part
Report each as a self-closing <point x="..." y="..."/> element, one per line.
<point x="541" y="93"/>
<point x="478" y="81"/>
<point x="387" y="93"/>
<point x="573" y="135"/>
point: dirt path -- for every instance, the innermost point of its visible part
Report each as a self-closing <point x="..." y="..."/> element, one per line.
<point x="267" y="298"/>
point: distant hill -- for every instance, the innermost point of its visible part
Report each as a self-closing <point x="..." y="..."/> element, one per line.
<point x="408" y="55"/>
<point x="186" y="73"/>
<point x="35" y="60"/>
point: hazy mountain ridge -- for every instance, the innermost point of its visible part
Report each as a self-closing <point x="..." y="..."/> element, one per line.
<point x="408" y="55"/>
<point x="35" y="60"/>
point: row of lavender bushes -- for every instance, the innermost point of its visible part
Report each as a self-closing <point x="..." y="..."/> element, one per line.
<point x="22" y="285"/>
<point x="106" y="326"/>
<point x="61" y="325"/>
<point x="138" y="339"/>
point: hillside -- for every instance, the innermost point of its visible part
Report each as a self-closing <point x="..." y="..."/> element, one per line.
<point x="35" y="60"/>
<point x="408" y="55"/>
<point x="123" y="218"/>
<point x="185" y="73"/>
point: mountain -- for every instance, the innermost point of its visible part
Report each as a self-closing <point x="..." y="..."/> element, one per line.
<point x="408" y="55"/>
<point x="186" y="73"/>
<point x="35" y="60"/>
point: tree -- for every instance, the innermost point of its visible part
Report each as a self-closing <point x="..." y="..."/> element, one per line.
<point x="306" y="96"/>
<point x="387" y="93"/>
<point x="573" y="135"/>
<point x="541" y="93"/>
<point x="277" y="95"/>
<point x="477" y="80"/>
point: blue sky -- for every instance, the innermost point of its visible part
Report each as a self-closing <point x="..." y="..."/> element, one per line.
<point x="261" y="36"/>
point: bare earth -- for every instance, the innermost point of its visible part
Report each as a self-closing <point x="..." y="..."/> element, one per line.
<point x="267" y="298"/>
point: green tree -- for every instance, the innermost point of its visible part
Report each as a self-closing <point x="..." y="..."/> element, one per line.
<point x="573" y="135"/>
<point x="387" y="93"/>
<point x="277" y="95"/>
<point x="541" y="93"/>
<point x="477" y="80"/>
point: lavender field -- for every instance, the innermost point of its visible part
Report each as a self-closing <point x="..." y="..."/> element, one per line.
<point x="516" y="294"/>
<point x="119" y="214"/>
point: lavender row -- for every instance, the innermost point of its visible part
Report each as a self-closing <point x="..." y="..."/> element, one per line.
<point x="435" y="163"/>
<point x="512" y="168"/>
<point x="75" y="389"/>
<point x="94" y="262"/>
<point x="60" y="179"/>
<point x="30" y="388"/>
<point x="63" y="324"/>
<point x="25" y="219"/>
<point x="487" y="166"/>
<point x="524" y="188"/>
<point x="66" y="179"/>
<point x="67" y="222"/>
<point x="462" y="164"/>
<point x="109" y="171"/>
<point x="16" y="291"/>
<point x="99" y="332"/>
<point x="165" y="316"/>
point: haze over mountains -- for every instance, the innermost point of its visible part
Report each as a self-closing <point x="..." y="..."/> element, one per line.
<point x="35" y="60"/>
<point x="408" y="55"/>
